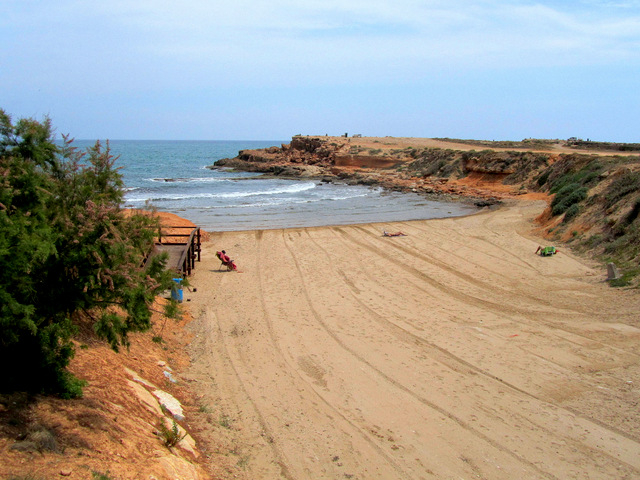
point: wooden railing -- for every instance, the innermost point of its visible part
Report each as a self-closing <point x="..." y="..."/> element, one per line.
<point x="192" y="246"/>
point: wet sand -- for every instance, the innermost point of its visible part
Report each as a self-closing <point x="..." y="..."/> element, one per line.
<point x="451" y="352"/>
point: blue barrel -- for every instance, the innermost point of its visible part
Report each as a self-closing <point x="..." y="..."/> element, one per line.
<point x="176" y="290"/>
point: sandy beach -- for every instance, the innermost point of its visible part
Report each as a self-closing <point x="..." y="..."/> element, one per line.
<point x="451" y="352"/>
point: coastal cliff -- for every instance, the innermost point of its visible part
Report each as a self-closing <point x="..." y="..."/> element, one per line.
<point x="593" y="195"/>
<point x="430" y="171"/>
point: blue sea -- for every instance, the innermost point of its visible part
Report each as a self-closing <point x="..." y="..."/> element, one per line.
<point x="172" y="176"/>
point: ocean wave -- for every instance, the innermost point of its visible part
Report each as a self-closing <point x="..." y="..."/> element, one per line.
<point x="297" y="188"/>
<point x="189" y="179"/>
<point x="165" y="197"/>
<point x="347" y="197"/>
<point x="279" y="202"/>
<point x="168" y="197"/>
<point x="272" y="202"/>
<point x="238" y="177"/>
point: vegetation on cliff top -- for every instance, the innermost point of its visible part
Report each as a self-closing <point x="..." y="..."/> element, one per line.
<point x="68" y="254"/>
<point x="527" y="143"/>
<point x="598" y="200"/>
<point x="546" y="144"/>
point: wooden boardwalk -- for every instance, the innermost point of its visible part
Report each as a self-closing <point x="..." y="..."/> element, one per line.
<point x="183" y="244"/>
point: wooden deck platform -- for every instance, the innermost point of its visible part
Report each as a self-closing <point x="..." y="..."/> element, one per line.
<point x="183" y="244"/>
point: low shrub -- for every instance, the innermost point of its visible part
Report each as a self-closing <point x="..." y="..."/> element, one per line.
<point x="621" y="187"/>
<point x="592" y="241"/>
<point x="571" y="213"/>
<point x="587" y="176"/>
<point x="566" y="197"/>
<point x="542" y="179"/>
<point x="100" y="476"/>
<point x="170" y="436"/>
<point x="225" y="421"/>
<point x="628" y="241"/>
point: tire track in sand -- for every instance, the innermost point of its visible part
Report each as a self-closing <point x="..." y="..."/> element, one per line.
<point x="586" y="418"/>
<point x="446" y="413"/>
<point x="534" y="318"/>
<point x="455" y="362"/>
<point x="297" y="378"/>
<point x="210" y="364"/>
<point x="531" y="319"/>
<point x="268" y="433"/>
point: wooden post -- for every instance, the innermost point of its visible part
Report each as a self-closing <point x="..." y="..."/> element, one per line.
<point x="199" y="248"/>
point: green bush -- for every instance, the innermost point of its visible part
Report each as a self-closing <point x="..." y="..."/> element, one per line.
<point x="566" y="197"/>
<point x="587" y="176"/>
<point x="592" y="241"/>
<point x="68" y="253"/>
<point x="567" y="190"/>
<point x="542" y="179"/>
<point x="627" y="244"/>
<point x="621" y="187"/>
<point x="571" y="213"/>
<point x="560" y="183"/>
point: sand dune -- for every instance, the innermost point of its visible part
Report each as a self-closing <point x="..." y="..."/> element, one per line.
<point x="452" y="352"/>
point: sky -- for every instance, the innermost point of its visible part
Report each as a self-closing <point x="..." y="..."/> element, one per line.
<point x="250" y="70"/>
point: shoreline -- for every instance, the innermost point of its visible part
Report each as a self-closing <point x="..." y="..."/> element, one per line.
<point x="351" y="204"/>
<point x="480" y="211"/>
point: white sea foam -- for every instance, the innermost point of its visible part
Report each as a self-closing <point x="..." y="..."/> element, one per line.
<point x="295" y="188"/>
<point x="348" y="197"/>
<point x="166" y="196"/>
<point x="269" y="202"/>
<point x="191" y="179"/>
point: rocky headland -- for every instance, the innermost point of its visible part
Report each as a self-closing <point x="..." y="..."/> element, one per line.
<point x="454" y="174"/>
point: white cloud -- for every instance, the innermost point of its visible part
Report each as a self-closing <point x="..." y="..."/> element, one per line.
<point x="424" y="31"/>
<point x="153" y="45"/>
<point x="434" y="32"/>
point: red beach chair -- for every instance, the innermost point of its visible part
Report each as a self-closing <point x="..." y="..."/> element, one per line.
<point x="226" y="261"/>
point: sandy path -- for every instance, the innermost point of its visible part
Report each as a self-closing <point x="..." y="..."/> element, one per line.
<point x="452" y="352"/>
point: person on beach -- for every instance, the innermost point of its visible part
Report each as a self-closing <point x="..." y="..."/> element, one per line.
<point x="396" y="234"/>
<point x="226" y="260"/>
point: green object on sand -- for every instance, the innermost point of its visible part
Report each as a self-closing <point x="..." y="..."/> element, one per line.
<point x="548" y="251"/>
